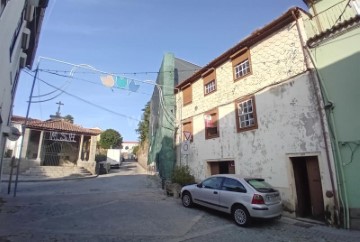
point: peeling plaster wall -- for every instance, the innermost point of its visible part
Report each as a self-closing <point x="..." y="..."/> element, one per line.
<point x="288" y="120"/>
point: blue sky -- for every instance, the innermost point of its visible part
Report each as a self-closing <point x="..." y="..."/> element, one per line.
<point x="129" y="38"/>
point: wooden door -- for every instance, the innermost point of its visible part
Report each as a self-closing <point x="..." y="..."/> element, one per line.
<point x="315" y="187"/>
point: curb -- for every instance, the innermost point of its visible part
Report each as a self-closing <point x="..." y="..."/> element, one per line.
<point x="49" y="179"/>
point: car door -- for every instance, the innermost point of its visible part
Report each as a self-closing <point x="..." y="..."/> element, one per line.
<point x="208" y="193"/>
<point x="232" y="191"/>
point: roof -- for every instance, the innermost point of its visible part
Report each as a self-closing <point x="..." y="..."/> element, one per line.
<point x="184" y="70"/>
<point x="252" y="39"/>
<point x="354" y="21"/>
<point x="20" y="119"/>
<point x="60" y="125"/>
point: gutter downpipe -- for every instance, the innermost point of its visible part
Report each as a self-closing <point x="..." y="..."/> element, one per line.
<point x="318" y="99"/>
<point x="342" y="187"/>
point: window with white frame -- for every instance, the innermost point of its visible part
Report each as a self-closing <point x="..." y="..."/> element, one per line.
<point x="242" y="69"/>
<point x="241" y="62"/>
<point x="210" y="87"/>
<point x="209" y="79"/>
<point x="356" y="5"/>
<point x="246" y="114"/>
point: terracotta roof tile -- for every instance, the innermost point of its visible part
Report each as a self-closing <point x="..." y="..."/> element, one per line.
<point x="334" y="30"/>
<point x="55" y="125"/>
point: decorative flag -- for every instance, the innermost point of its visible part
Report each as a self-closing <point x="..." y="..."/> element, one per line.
<point x="208" y="121"/>
<point x="121" y="82"/>
<point x="107" y="81"/>
<point x="133" y="87"/>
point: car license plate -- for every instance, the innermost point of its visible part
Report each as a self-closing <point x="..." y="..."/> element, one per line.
<point x="272" y="197"/>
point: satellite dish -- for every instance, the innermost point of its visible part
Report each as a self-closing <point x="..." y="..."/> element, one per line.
<point x="14" y="134"/>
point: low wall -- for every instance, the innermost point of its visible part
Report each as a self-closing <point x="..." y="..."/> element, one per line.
<point x="142" y="155"/>
<point x="88" y="165"/>
<point x="25" y="164"/>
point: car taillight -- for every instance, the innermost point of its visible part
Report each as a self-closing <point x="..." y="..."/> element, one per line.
<point x="257" y="199"/>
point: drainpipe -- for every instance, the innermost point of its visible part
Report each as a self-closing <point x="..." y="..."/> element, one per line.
<point x="318" y="99"/>
<point x="345" y="201"/>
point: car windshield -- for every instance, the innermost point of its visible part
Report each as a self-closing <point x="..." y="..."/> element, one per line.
<point x="260" y="185"/>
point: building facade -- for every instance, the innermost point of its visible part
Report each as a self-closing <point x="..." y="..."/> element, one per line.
<point x="333" y="30"/>
<point x="127" y="149"/>
<point x="20" y="25"/>
<point x="256" y="111"/>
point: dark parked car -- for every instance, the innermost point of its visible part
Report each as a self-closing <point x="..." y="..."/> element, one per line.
<point x="244" y="198"/>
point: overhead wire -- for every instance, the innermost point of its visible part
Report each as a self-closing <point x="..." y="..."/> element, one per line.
<point x="88" y="102"/>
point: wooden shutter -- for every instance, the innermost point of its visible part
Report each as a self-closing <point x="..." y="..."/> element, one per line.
<point x="210" y="76"/>
<point x="188" y="127"/>
<point x="187" y="95"/>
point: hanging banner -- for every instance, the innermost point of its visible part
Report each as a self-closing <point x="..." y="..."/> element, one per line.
<point x="107" y="81"/>
<point x="121" y="82"/>
<point x="133" y="87"/>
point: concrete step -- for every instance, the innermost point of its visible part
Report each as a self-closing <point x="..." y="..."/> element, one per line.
<point x="56" y="171"/>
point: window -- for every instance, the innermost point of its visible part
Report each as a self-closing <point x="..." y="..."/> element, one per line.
<point x="211" y="124"/>
<point x="241" y="64"/>
<point x="242" y="69"/>
<point x="187" y="129"/>
<point x="209" y="78"/>
<point x="16" y="33"/>
<point x="2" y="5"/>
<point x="187" y="95"/>
<point x="356" y="5"/>
<point x="245" y="114"/>
<point x="210" y="87"/>
<point x="212" y="183"/>
<point x="232" y="185"/>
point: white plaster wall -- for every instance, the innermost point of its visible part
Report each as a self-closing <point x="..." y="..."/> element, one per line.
<point x="8" y="22"/>
<point x="286" y="107"/>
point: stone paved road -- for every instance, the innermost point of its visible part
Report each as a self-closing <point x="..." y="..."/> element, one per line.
<point x="128" y="205"/>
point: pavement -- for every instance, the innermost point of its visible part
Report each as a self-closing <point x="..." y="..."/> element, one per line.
<point x="128" y="204"/>
<point x="26" y="178"/>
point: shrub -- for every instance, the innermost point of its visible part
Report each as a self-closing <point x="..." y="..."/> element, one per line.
<point x="100" y="157"/>
<point x="182" y="176"/>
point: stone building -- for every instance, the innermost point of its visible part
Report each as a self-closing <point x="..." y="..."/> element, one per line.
<point x="256" y="110"/>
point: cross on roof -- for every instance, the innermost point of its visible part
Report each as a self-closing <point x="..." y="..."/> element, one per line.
<point x="60" y="104"/>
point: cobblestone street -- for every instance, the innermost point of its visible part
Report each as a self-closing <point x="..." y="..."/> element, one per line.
<point x="128" y="205"/>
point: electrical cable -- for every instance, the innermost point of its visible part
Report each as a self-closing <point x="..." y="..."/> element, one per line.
<point x="88" y="102"/>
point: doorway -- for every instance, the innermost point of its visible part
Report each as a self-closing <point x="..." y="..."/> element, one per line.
<point x="310" y="202"/>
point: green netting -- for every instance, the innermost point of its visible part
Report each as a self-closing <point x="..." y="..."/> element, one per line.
<point x="162" y="119"/>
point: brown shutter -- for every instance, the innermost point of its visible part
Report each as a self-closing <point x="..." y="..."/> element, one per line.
<point x="187" y="95"/>
<point x="209" y="77"/>
<point x="188" y="126"/>
<point x="240" y="56"/>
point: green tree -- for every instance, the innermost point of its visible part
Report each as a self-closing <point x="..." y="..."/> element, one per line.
<point x="69" y="118"/>
<point x="110" y="138"/>
<point x="135" y="150"/>
<point x="143" y="126"/>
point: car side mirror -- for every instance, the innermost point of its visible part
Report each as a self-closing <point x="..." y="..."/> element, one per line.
<point x="199" y="185"/>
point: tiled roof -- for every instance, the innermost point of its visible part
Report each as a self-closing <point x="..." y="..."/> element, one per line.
<point x="20" y="119"/>
<point x="60" y="125"/>
<point x="355" y="21"/>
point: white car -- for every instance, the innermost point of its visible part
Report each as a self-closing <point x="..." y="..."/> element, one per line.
<point x="244" y="198"/>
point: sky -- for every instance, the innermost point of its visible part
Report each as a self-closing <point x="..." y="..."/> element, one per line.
<point x="83" y="41"/>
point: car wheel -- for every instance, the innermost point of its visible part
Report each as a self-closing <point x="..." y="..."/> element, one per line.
<point x="187" y="200"/>
<point x="241" y="216"/>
